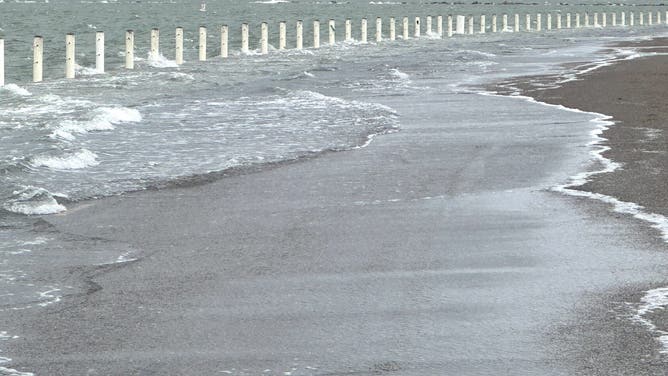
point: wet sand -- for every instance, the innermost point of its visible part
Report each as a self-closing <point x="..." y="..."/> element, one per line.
<point x="436" y="250"/>
<point x="634" y="94"/>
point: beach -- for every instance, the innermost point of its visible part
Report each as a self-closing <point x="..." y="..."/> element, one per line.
<point x="437" y="249"/>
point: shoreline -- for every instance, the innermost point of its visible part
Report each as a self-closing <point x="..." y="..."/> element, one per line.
<point x="631" y="151"/>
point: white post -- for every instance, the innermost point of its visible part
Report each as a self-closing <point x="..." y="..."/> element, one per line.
<point x="614" y="19"/>
<point x="429" y="25"/>
<point x="658" y="18"/>
<point x="264" y="38"/>
<point x="471" y="24"/>
<point x="416" y="32"/>
<point x="2" y="62"/>
<point x="548" y="25"/>
<point x="332" y="32"/>
<point x="517" y="23"/>
<point x="393" y="29"/>
<point x="539" y="22"/>
<point x="379" y="29"/>
<point x="604" y="19"/>
<point x="130" y="49"/>
<point x="244" y="38"/>
<point x="282" y="35"/>
<point x="224" y="41"/>
<point x="596" y="24"/>
<point x="586" y="17"/>
<point x="405" y="28"/>
<point x="632" y="19"/>
<point x="666" y="17"/>
<point x="649" y="18"/>
<point x="623" y="18"/>
<point x="641" y="18"/>
<point x="439" y="26"/>
<point x="482" y="24"/>
<point x="300" y="35"/>
<point x="528" y="23"/>
<point x="69" y="55"/>
<point x="178" y="49"/>
<point x="38" y="53"/>
<point x="494" y="23"/>
<point x="155" y="44"/>
<point x="461" y="27"/>
<point x="449" y="26"/>
<point x="364" y="30"/>
<point x="504" y="23"/>
<point x="202" y="43"/>
<point x="577" y="20"/>
<point x="316" y="34"/>
<point x="568" y="20"/>
<point x="349" y="30"/>
<point x="558" y="20"/>
<point x="99" y="51"/>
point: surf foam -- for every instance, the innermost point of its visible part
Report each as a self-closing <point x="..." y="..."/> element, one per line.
<point x="82" y="159"/>
<point x="33" y="201"/>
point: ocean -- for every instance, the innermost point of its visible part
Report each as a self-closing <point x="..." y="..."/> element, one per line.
<point x="161" y="124"/>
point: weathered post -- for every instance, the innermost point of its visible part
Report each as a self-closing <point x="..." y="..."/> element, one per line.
<point x="364" y="30"/>
<point x="471" y="24"/>
<point x="2" y="62"/>
<point x="332" y="32"/>
<point x="528" y="23"/>
<point x="439" y="26"/>
<point x="429" y="28"/>
<point x="539" y="22"/>
<point x="461" y="24"/>
<point x="349" y="30"/>
<point x="405" y="28"/>
<point x="568" y="20"/>
<point x="69" y="55"/>
<point x="494" y="23"/>
<point x="416" y="32"/>
<point x="300" y="35"/>
<point x="178" y="48"/>
<point x="282" y="35"/>
<point x="316" y="34"/>
<point x="155" y="44"/>
<point x="558" y="20"/>
<point x="393" y="29"/>
<point x="224" y="41"/>
<point x="504" y="23"/>
<point x="244" y="38"/>
<point x="517" y="23"/>
<point x="379" y="29"/>
<point x="202" y="43"/>
<point x="483" y="26"/>
<point x="99" y="51"/>
<point x="264" y="38"/>
<point x="450" y="26"/>
<point x="130" y="49"/>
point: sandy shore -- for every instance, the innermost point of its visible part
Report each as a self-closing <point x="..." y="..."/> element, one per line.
<point x="436" y="250"/>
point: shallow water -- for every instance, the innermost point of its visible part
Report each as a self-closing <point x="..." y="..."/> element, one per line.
<point x="104" y="134"/>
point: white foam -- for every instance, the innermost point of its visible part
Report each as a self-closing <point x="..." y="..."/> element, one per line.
<point x="33" y="201"/>
<point x="161" y="62"/>
<point x="103" y="119"/>
<point x="81" y="159"/>
<point x="15" y="89"/>
<point x="399" y="74"/>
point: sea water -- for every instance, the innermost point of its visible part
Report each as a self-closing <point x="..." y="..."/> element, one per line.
<point x="64" y="141"/>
